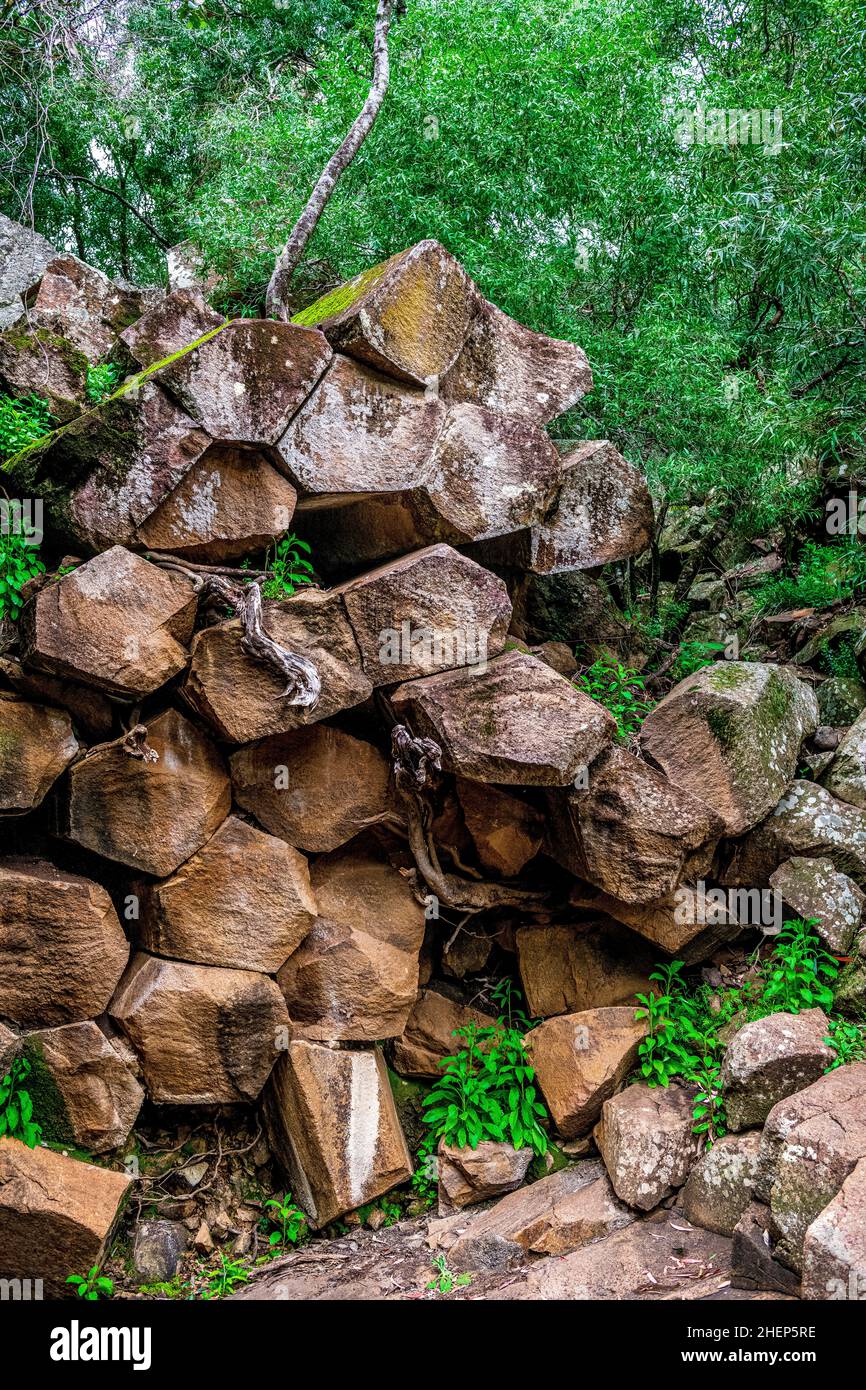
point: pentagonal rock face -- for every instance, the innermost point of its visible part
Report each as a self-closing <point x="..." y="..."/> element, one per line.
<point x="808" y="821"/>
<point x="721" y="1184"/>
<point x="24" y="254"/>
<point x="245" y="383"/>
<point x="408" y="317"/>
<point x="137" y="448"/>
<point x="56" y="1214"/>
<point x="811" y="1142"/>
<point x="244" y="900"/>
<point x="834" y="1251"/>
<point x="332" y="1124"/>
<point x="602" y="512"/>
<point x="645" y="1138"/>
<point x="87" y="307"/>
<point x="177" y="321"/>
<point x="62" y="949"/>
<point x="36" y="745"/>
<point x="203" y="1035"/>
<point x="516" y="722"/>
<point x="580" y="1060"/>
<point x="245" y="700"/>
<point x="231" y="502"/>
<point x="360" y="432"/>
<point x="509" y="368"/>
<point x="818" y="892"/>
<point x="151" y="816"/>
<point x="83" y="1092"/>
<point x="630" y="831"/>
<point x="429" y="1033"/>
<point x="355" y="976"/>
<point x="506" y="832"/>
<point x="117" y="622"/>
<point x="730" y="734"/>
<point x="770" y="1059"/>
<point x="846" y="775"/>
<point x="427" y="612"/>
<point x="30" y="355"/>
<point x="566" y="969"/>
<point x="314" y="787"/>
<point x="468" y="1176"/>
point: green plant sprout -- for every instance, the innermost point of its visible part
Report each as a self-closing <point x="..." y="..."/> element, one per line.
<point x="92" y="1285"/>
<point x="16" y="1105"/>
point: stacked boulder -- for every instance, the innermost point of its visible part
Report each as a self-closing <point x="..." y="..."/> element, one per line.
<point x="245" y="844"/>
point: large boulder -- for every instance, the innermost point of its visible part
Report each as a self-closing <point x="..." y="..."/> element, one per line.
<point x="243" y="901"/>
<point x="24" y="254"/>
<point x="770" y="1059"/>
<point x="630" y="831"/>
<point x="245" y="699"/>
<point x="203" y="1035"/>
<point x="62" y="948"/>
<point x="468" y="1176"/>
<point x="517" y="722"/>
<point x="355" y="975"/>
<point x="429" y="1036"/>
<point x="730" y="734"/>
<point x="82" y="1090"/>
<point x="116" y="622"/>
<point x="845" y="778"/>
<point x="812" y="1140"/>
<point x="56" y="1215"/>
<point x="426" y="612"/>
<point x="85" y="305"/>
<point x="92" y="711"/>
<point x="581" y="1060"/>
<point x="36" y="745"/>
<point x="150" y="815"/>
<point x="314" y="787"/>
<point x="176" y="322"/>
<point x="834" y="1249"/>
<point x="807" y="822"/>
<point x="408" y="316"/>
<point x="645" y="1136"/>
<point x="332" y="1125"/>
<point x="36" y="360"/>
<point x="817" y="892"/>
<point x="721" y="1184"/>
<point x="566" y="969"/>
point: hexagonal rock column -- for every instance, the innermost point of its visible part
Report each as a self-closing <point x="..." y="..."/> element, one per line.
<point x="36" y="745"/>
<point x="332" y="1125"/>
<point x="244" y="901"/>
<point x="566" y="969"/>
<point x="29" y="354"/>
<point x="62" y="949"/>
<point x="203" y="1035"/>
<point x="721" y="1184"/>
<point x="810" y="1144"/>
<point x="818" y="892"/>
<point x="116" y="622"/>
<point x="151" y="816"/>
<point x="580" y="1060"/>
<point x="515" y="722"/>
<point x="355" y="976"/>
<point x="730" y="734"/>
<point x="645" y="1138"/>
<point x="408" y="316"/>
<point x="82" y="1090"/>
<point x="360" y="432"/>
<point x="314" y="787"/>
<point x="175" y="322"/>
<point x="770" y="1059"/>
<point x="84" y="305"/>
<point x="630" y="831"/>
<point x="230" y="503"/>
<point x="508" y="367"/>
<point x="245" y="700"/>
<point x="245" y="382"/>
<point x="429" y="611"/>
<point x="688" y="923"/>
<point x="56" y="1214"/>
<point x="834" y="1250"/>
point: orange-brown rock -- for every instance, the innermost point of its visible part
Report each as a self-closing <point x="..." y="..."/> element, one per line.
<point x="429" y="1035"/>
<point x="150" y="816"/>
<point x="468" y="1176"/>
<point x="36" y="745"/>
<point x="62" y="948"/>
<point x="203" y="1035"/>
<point x="83" y="1092"/>
<point x="565" y="969"/>
<point x="581" y="1060"/>
<point x="92" y="711"/>
<point x="244" y="901"/>
<point x="174" y="322"/>
<point x="333" y="1126"/>
<point x="506" y="831"/>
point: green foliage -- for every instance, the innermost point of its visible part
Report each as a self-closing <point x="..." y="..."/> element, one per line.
<point x="841" y="660"/>
<point x="288" y="569"/>
<point x="675" y="1044"/>
<point x="487" y="1089"/>
<point x="22" y="422"/>
<point x="16" y="1105"/>
<point x="709" y="1106"/>
<point x="289" y="1219"/>
<point x="693" y="656"/>
<point x="621" y="691"/>
<point x="848" y="1041"/>
<point x="444" y="1280"/>
<point x="825" y="574"/>
<point x="92" y="1285"/>
<point x="103" y="381"/>
<point x="225" y="1277"/>
<point x="799" y="972"/>
<point x="19" y="563"/>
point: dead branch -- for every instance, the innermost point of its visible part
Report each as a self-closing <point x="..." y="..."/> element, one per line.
<point x="303" y="684"/>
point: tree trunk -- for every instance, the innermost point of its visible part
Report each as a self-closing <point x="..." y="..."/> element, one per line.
<point x="277" y="299"/>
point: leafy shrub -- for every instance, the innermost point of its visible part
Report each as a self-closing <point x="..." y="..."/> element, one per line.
<point x="695" y="655"/>
<point x="16" y="1106"/>
<point x="19" y="563"/>
<point x="287" y="568"/>
<point x="848" y="1041"/>
<point x="22" y="422"/>
<point x="675" y="1043"/>
<point x="621" y="691"/>
<point x="290" y="1221"/>
<point x="826" y="574"/>
<point x="103" y="381"/>
<point x="225" y="1277"/>
<point x="840" y="661"/>
<point x="92" y="1285"/>
<point x="798" y="973"/>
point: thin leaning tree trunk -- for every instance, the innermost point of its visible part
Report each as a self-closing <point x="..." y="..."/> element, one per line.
<point x="277" y="298"/>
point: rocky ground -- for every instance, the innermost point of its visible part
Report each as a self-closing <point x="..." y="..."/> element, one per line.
<point x="274" y="829"/>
